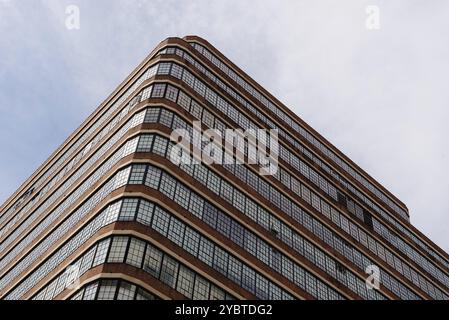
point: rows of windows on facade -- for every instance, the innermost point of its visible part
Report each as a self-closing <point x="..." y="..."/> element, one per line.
<point x="111" y="216"/>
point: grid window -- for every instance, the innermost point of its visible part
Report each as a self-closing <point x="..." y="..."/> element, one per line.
<point x="164" y="68"/>
<point x="158" y="90"/>
<point x="262" y="287"/>
<point x="206" y="251"/>
<point x="237" y="234"/>
<point x="199" y="87"/>
<point x="176" y="231"/>
<point x="182" y="196"/>
<point x="176" y="71"/>
<point x="169" y="270"/>
<point x="128" y="209"/>
<point x="223" y="224"/>
<point x="144" y="295"/>
<point x="210" y="215"/>
<point x="153" y="261"/>
<point x="152" y="115"/>
<point x="188" y="78"/>
<point x="196" y="205"/>
<point x="126" y="291"/>
<point x="226" y="191"/>
<point x="160" y="146"/>
<point x="220" y="260"/>
<point x="196" y="110"/>
<point x="168" y="186"/>
<point x="208" y="119"/>
<point x="161" y="220"/>
<point x="145" y="142"/>
<point x="186" y="279"/>
<point x="191" y="241"/>
<point x="118" y="249"/>
<point x="135" y="253"/>
<point x="166" y="118"/>
<point x="216" y="293"/>
<point x="248" y="279"/>
<point x="213" y="183"/>
<point x="107" y="290"/>
<point x="153" y="177"/>
<point x="184" y="100"/>
<point x="234" y="270"/>
<point x="201" y="289"/>
<point x="145" y="212"/>
<point x="91" y="291"/>
<point x="172" y="93"/>
<point x="101" y="253"/>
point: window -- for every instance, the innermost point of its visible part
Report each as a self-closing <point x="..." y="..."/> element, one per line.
<point x="166" y="118"/>
<point x="226" y="191"/>
<point x="196" y="110"/>
<point x="164" y="68"/>
<point x="262" y="287"/>
<point x="188" y="78"/>
<point x="208" y="119"/>
<point x="176" y="71"/>
<point x="182" y="196"/>
<point x="216" y="293"/>
<point x="107" y="290"/>
<point x="159" y="146"/>
<point x="237" y="234"/>
<point x="153" y="177"/>
<point x="118" y="249"/>
<point x="169" y="270"/>
<point x="145" y="142"/>
<point x="168" y="186"/>
<point x="152" y="115"/>
<point x="144" y="295"/>
<point x="137" y="174"/>
<point x="234" y="270"/>
<point x="199" y="87"/>
<point x="153" y="260"/>
<point x="128" y="209"/>
<point x="135" y="253"/>
<point x="248" y="279"/>
<point x="126" y="291"/>
<point x="191" y="241"/>
<point x="206" y="251"/>
<point x="172" y="93"/>
<point x="186" y="279"/>
<point x="221" y="261"/>
<point x="223" y="224"/>
<point x="145" y="212"/>
<point x="196" y="205"/>
<point x="102" y="250"/>
<point x="201" y="289"/>
<point x="158" y="90"/>
<point x="213" y="183"/>
<point x="176" y="231"/>
<point x="91" y="291"/>
<point x="184" y="100"/>
<point x="161" y="220"/>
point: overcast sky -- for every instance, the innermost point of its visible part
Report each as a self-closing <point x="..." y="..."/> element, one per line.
<point x="381" y="96"/>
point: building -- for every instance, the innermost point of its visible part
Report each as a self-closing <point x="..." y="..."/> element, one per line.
<point x="110" y="216"/>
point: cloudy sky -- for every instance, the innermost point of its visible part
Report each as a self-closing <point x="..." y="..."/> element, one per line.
<point x="381" y="96"/>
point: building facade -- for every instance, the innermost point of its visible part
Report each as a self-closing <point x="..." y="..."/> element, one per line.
<point x="110" y="216"/>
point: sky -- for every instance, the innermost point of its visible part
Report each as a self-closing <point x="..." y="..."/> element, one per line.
<point x="380" y="95"/>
